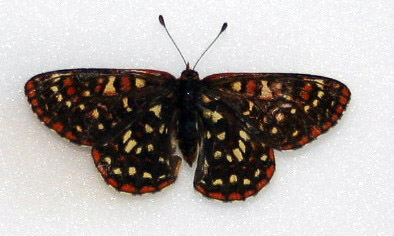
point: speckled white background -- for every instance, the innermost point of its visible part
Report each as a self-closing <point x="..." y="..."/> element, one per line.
<point x="341" y="184"/>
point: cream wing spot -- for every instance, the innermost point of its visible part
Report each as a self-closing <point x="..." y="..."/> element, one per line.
<point x="147" y="175"/>
<point x="237" y="153"/>
<point x="54" y="89"/>
<point x="139" y="83"/>
<point x="95" y="114"/>
<point x="244" y="135"/>
<point x="216" y="116"/>
<point x="246" y="181"/>
<point x="233" y="179"/>
<point x="150" y="147"/>
<point x="109" y="89"/>
<point x="217" y="154"/>
<point x="148" y="128"/>
<point x="130" y="145"/>
<point x="242" y="146"/>
<point x="117" y="171"/>
<point x="138" y="150"/>
<point x="236" y="86"/>
<point x="107" y="160"/>
<point x="217" y="182"/>
<point x="59" y="97"/>
<point x="132" y="170"/>
<point x="221" y="136"/>
<point x="126" y="136"/>
<point x="100" y="126"/>
<point x="156" y="110"/>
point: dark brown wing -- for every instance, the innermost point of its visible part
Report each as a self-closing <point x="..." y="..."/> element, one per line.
<point x="233" y="163"/>
<point x="125" y="114"/>
<point x="83" y="105"/>
<point x="285" y="110"/>
<point x="244" y="116"/>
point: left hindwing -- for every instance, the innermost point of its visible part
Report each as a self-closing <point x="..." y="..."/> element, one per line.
<point x="285" y="111"/>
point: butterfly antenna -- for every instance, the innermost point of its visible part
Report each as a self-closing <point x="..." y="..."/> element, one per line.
<point x="161" y="19"/>
<point x="224" y="27"/>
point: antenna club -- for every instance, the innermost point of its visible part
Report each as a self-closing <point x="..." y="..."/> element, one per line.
<point x="161" y="19"/>
<point x="224" y="27"/>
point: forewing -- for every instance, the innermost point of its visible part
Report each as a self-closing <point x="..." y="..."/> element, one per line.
<point x="233" y="163"/>
<point x="285" y="111"/>
<point x="141" y="157"/>
<point x="84" y="105"/>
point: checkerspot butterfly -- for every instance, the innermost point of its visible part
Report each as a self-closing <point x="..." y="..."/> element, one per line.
<point x="230" y="123"/>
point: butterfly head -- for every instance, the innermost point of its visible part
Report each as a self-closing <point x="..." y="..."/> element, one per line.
<point x="189" y="74"/>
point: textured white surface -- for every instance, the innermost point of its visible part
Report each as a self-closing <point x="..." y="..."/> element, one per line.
<point x="341" y="184"/>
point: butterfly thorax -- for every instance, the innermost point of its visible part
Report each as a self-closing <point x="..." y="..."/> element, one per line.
<point x="188" y="86"/>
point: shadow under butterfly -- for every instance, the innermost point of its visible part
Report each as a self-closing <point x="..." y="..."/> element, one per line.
<point x="230" y="122"/>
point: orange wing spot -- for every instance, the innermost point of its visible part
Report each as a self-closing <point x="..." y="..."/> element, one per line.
<point x="346" y="92"/>
<point x="305" y="95"/>
<point x="39" y="111"/>
<point x="31" y="93"/>
<point x="334" y="117"/>
<point x="327" y="125"/>
<point x="103" y="170"/>
<point x="46" y="119"/>
<point x="288" y="146"/>
<point x="125" y="83"/>
<point x="96" y="155"/>
<point x="35" y="102"/>
<point x="128" y="188"/>
<point x="30" y="85"/>
<point x="270" y="171"/>
<point x="251" y="87"/>
<point x="87" y="143"/>
<point x="271" y="154"/>
<point x="219" y="196"/>
<point x="339" y="109"/>
<point x="201" y="189"/>
<point x="235" y="196"/>
<point x="303" y="141"/>
<point x="308" y="87"/>
<point x="98" y="88"/>
<point x="165" y="184"/>
<point x="147" y="189"/>
<point x="261" y="184"/>
<point x="71" y="91"/>
<point x="249" y="193"/>
<point x="343" y="100"/>
<point x="113" y="182"/>
<point x="316" y="131"/>
<point x="58" y="126"/>
<point x="68" y="82"/>
<point x="70" y="135"/>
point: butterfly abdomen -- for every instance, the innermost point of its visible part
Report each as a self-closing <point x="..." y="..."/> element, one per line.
<point x="188" y="134"/>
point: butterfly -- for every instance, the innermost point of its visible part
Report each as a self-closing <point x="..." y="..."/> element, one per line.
<point x="229" y="123"/>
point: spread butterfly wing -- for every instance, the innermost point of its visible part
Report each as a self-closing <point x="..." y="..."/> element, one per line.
<point x="125" y="114"/>
<point x="82" y="105"/>
<point x="141" y="157"/>
<point x="285" y="111"/>
<point x="233" y="163"/>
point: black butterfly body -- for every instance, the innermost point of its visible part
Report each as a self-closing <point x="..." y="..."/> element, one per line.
<point x="230" y="123"/>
